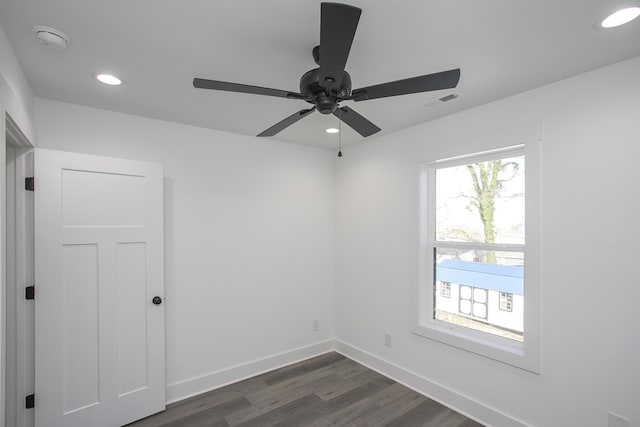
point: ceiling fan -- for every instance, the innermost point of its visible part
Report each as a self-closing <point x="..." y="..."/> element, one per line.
<point x="327" y="86"/>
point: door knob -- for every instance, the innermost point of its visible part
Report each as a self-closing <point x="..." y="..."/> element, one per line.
<point x="157" y="300"/>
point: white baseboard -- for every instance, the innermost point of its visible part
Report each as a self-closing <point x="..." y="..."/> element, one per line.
<point x="201" y="384"/>
<point x="452" y="399"/>
<point x="459" y="402"/>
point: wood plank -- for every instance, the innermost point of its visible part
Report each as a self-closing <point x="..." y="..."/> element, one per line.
<point x="212" y="416"/>
<point x="351" y="370"/>
<point x="202" y="402"/>
<point x="417" y="416"/>
<point x="331" y="391"/>
<point x="328" y="390"/>
<point x="347" y="414"/>
<point x="359" y="393"/>
<point x="277" y="400"/>
<point x="353" y="404"/>
<point x="395" y="409"/>
<point x="470" y="423"/>
<point x="294" y="382"/>
<point x="445" y="418"/>
<point x="299" y="368"/>
<point x="295" y="413"/>
<point x="389" y="394"/>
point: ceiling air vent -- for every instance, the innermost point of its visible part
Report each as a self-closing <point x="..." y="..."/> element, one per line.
<point x="446" y="98"/>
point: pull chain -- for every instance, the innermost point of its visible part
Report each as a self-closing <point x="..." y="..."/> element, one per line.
<point x="339" y="132"/>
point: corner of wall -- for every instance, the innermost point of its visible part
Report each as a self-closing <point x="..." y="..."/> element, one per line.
<point x="457" y="401"/>
<point x="16" y="95"/>
<point x="213" y="380"/>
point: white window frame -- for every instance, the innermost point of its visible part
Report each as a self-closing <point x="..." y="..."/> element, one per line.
<point x="526" y="354"/>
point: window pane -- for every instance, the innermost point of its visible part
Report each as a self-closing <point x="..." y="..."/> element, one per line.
<point x="480" y="295"/>
<point x="479" y="310"/>
<point x="465" y="292"/>
<point x="481" y="202"/>
<point x="478" y="289"/>
<point x="465" y="307"/>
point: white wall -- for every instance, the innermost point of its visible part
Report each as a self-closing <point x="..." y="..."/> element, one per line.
<point x="249" y="237"/>
<point x="16" y="96"/>
<point x="590" y="252"/>
<point x="236" y="207"/>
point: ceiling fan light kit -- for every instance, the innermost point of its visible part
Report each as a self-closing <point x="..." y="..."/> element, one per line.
<point x="327" y="86"/>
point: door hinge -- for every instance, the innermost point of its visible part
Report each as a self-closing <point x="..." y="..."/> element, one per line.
<point x="30" y="292"/>
<point x="29" y="184"/>
<point x="30" y="401"/>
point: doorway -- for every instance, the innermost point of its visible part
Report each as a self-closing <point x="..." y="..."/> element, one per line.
<point x="18" y="270"/>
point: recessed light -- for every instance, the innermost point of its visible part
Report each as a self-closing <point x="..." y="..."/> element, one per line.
<point x="109" y="79"/>
<point x="620" y="17"/>
<point x="51" y="38"/>
<point x="332" y="130"/>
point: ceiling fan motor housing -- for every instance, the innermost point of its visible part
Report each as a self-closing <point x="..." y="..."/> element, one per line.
<point x="326" y="103"/>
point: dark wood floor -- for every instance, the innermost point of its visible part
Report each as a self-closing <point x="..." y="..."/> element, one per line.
<point x="328" y="390"/>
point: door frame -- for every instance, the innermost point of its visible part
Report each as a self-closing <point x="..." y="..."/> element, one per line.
<point x="17" y="247"/>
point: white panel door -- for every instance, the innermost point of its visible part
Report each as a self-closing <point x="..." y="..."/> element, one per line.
<point x="99" y="264"/>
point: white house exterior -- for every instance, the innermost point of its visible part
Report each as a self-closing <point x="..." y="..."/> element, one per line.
<point x="489" y="293"/>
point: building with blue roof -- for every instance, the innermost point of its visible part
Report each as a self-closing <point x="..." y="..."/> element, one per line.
<point x="489" y="293"/>
<point x="493" y="277"/>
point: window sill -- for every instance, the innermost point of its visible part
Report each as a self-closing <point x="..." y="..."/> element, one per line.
<point x="503" y="350"/>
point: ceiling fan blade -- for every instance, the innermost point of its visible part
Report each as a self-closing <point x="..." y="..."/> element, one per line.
<point x="280" y="126"/>
<point x="236" y="87"/>
<point x="358" y="123"/>
<point x="338" y="23"/>
<point x="443" y="80"/>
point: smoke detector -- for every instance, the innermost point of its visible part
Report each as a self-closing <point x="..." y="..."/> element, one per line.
<point x="51" y="38"/>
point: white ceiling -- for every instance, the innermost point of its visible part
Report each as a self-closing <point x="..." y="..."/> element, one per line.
<point x="158" y="46"/>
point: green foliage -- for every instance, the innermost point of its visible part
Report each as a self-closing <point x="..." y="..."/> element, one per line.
<point x="487" y="178"/>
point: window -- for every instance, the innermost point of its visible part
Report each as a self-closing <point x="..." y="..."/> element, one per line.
<point x="445" y="290"/>
<point x="506" y="301"/>
<point x="479" y="238"/>
<point x="474" y="239"/>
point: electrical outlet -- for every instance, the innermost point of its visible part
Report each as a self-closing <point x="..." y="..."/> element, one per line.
<point x="617" y="420"/>
<point x="387" y="339"/>
<point x="316" y="325"/>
